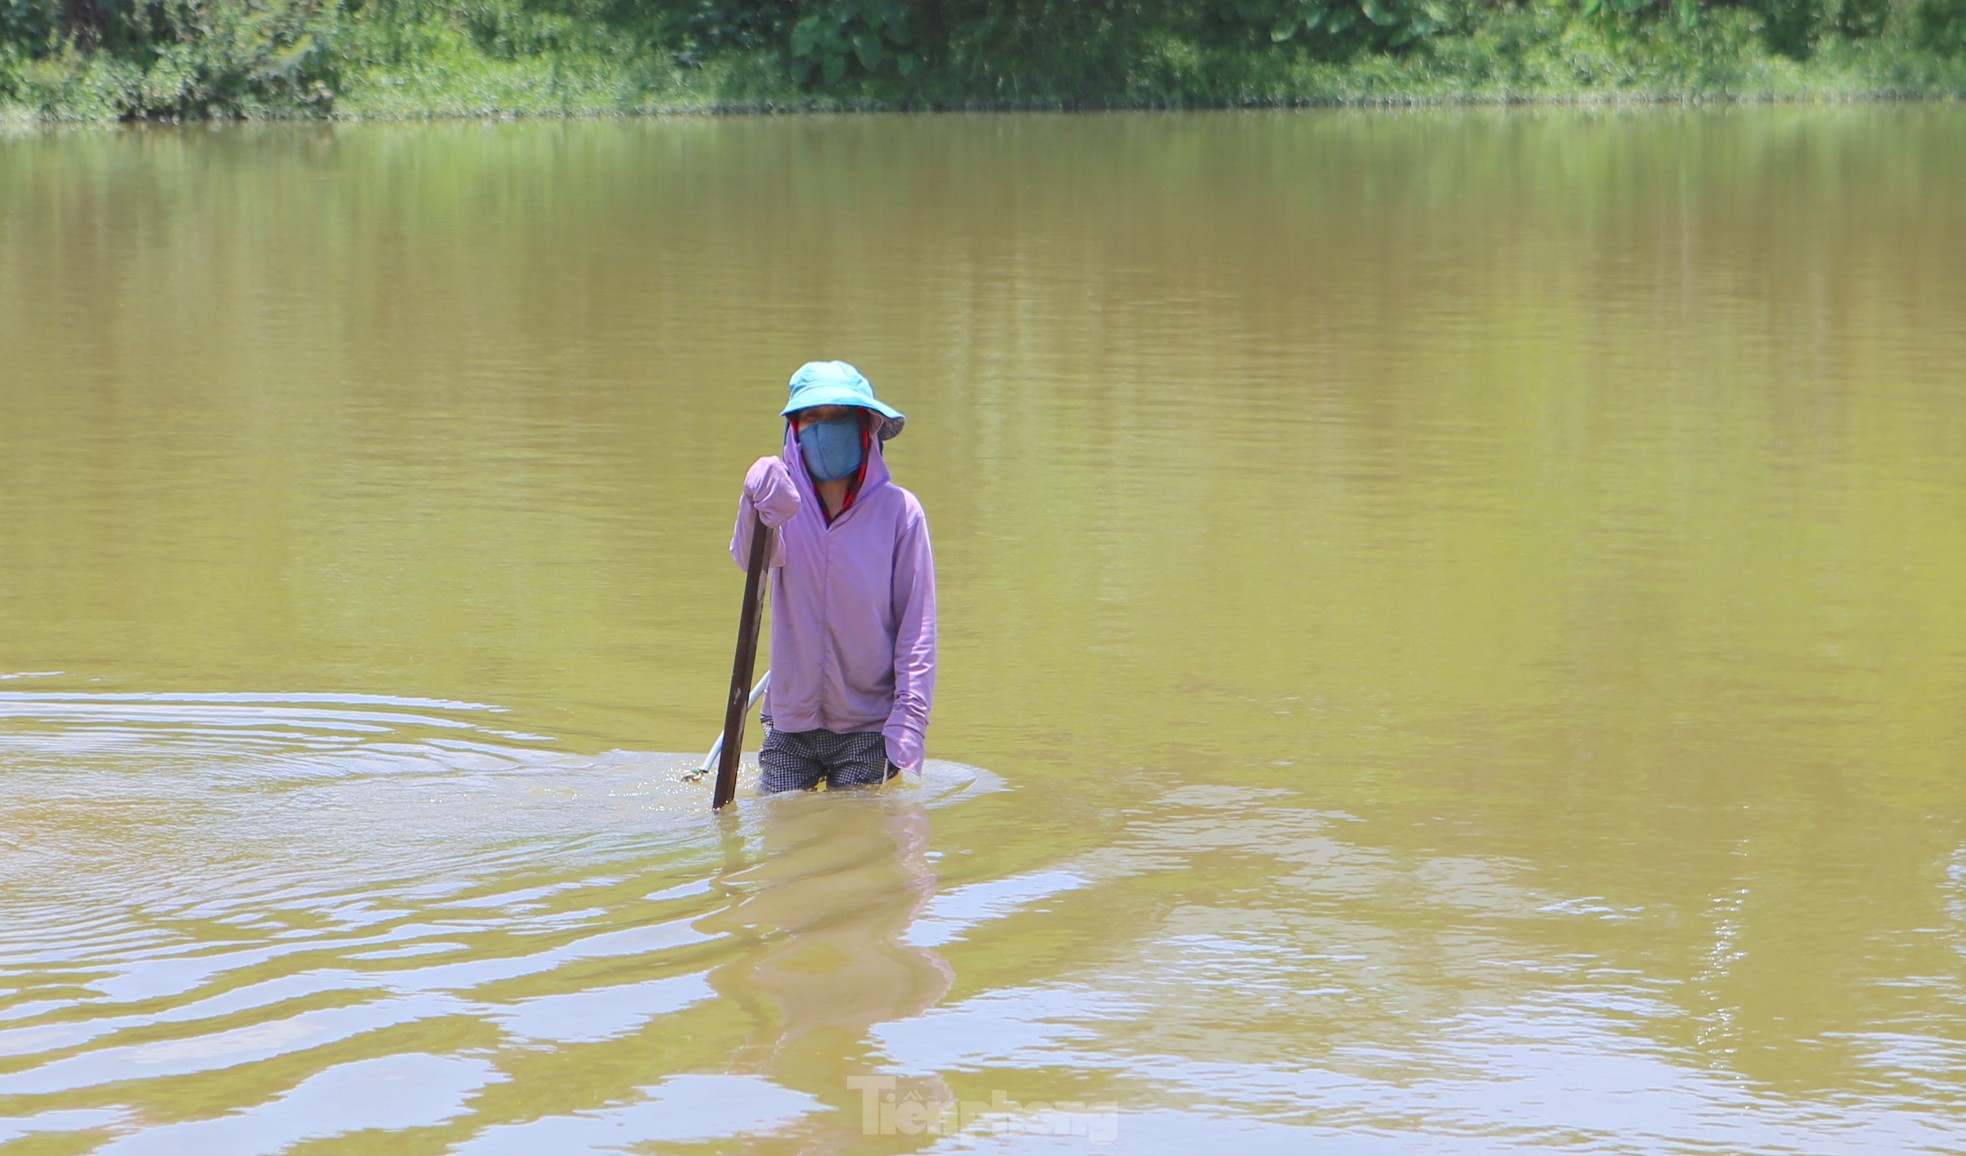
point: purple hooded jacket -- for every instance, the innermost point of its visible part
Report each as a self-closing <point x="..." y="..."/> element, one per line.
<point x="852" y="605"/>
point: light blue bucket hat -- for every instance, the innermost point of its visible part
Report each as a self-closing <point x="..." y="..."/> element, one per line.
<point x="837" y="383"/>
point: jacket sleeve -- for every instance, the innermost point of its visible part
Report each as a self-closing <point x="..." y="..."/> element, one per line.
<point x="914" y="646"/>
<point x="740" y="537"/>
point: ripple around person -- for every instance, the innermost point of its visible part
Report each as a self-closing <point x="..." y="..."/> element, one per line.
<point x="195" y="881"/>
<point x="110" y="784"/>
<point x="198" y="888"/>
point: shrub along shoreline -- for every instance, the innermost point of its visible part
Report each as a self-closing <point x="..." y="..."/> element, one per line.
<point x="109" y="60"/>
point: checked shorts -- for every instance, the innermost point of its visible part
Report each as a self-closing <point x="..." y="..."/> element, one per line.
<point x="799" y="760"/>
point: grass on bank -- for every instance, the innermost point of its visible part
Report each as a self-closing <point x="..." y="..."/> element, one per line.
<point x="506" y="59"/>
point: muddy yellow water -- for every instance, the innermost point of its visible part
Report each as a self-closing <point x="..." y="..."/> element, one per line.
<point x="1453" y="636"/>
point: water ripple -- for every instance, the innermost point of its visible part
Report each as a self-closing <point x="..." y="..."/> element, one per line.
<point x="314" y="915"/>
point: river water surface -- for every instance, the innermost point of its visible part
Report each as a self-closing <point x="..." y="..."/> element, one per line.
<point x="1453" y="636"/>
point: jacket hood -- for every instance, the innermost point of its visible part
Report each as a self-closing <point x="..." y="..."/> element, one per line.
<point x="875" y="475"/>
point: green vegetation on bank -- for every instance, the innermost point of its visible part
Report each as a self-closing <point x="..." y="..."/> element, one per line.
<point x="120" y="59"/>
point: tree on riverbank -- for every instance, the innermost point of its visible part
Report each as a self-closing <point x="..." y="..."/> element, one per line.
<point x="107" y="59"/>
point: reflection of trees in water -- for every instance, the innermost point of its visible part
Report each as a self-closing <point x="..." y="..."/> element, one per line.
<point x="820" y="912"/>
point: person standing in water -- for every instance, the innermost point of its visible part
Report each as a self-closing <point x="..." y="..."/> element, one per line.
<point x="853" y="591"/>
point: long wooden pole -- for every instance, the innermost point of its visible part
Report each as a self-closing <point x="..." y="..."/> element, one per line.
<point x="739" y="703"/>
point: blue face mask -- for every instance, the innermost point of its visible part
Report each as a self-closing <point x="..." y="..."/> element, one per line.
<point x="831" y="448"/>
